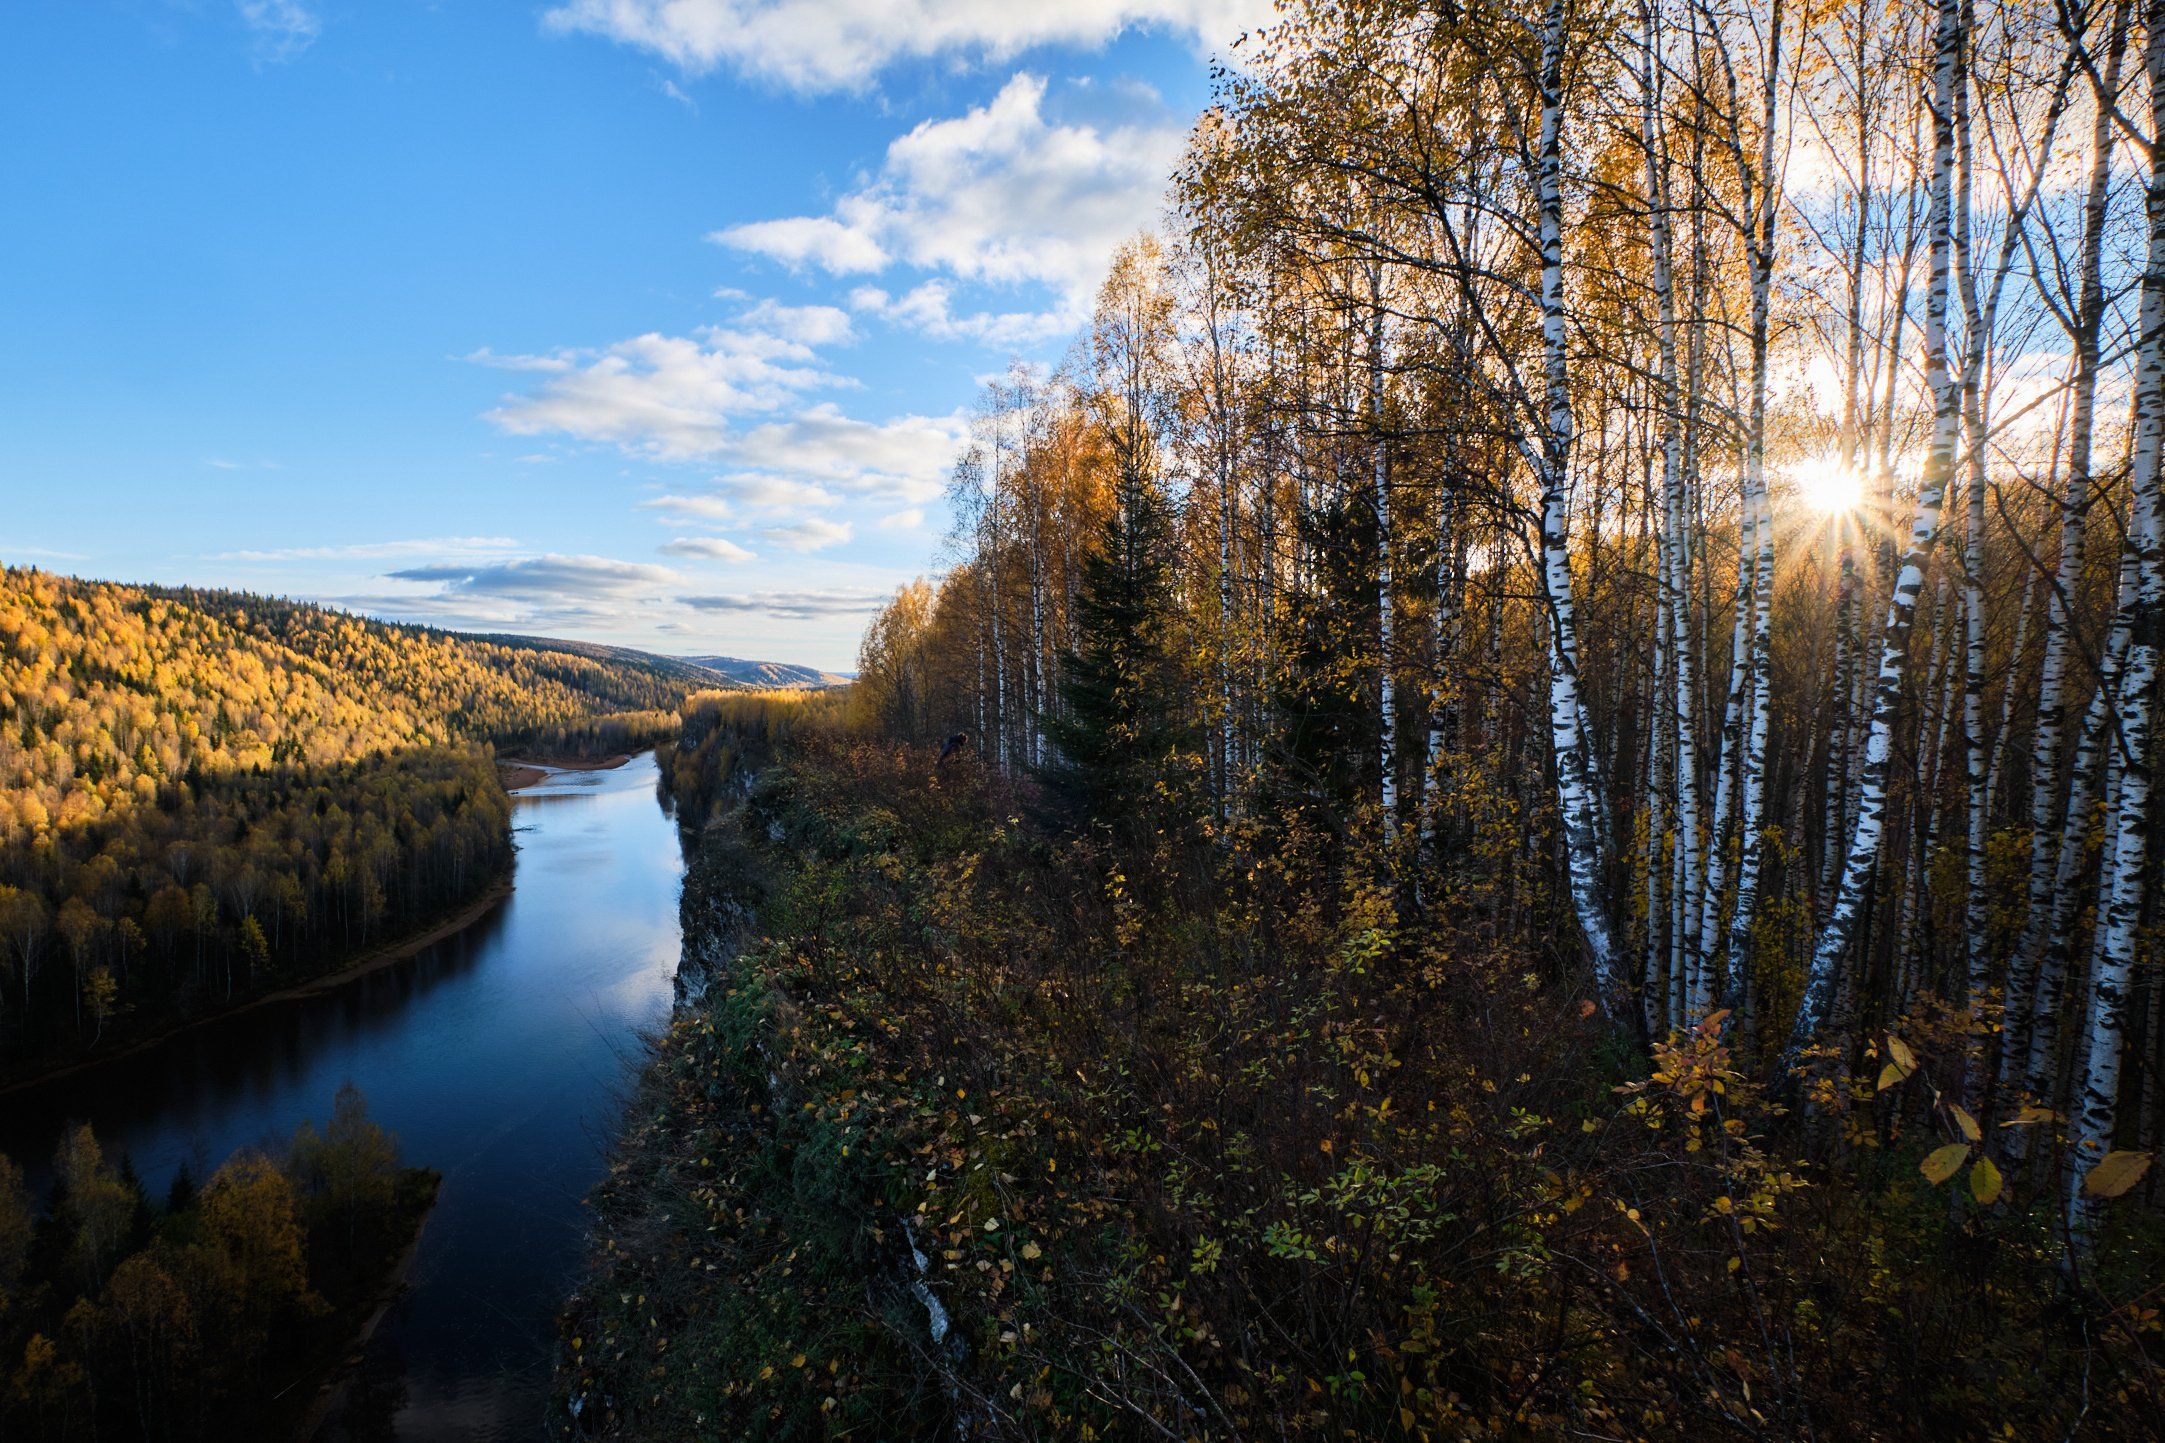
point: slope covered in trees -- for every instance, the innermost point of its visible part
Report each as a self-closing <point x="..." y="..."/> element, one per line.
<point x="202" y="792"/>
<point x="1558" y="834"/>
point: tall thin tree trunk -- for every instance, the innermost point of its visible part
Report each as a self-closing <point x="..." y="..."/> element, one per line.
<point x="1581" y="814"/>
<point x="1870" y="828"/>
<point x="2120" y="912"/>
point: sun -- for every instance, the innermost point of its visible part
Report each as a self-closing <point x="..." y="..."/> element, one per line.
<point x="1826" y="485"/>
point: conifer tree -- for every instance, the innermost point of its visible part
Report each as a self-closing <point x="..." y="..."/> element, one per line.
<point x="1120" y="730"/>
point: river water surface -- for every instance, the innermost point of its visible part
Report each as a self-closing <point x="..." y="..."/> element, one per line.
<point x="501" y="1057"/>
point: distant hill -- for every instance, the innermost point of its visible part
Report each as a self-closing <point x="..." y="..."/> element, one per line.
<point x="109" y="691"/>
<point x="768" y="673"/>
<point x="690" y="670"/>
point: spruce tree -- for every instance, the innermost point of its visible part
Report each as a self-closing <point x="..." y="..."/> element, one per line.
<point x="1122" y="724"/>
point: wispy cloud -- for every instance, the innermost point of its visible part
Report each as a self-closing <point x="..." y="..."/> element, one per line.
<point x="282" y="29"/>
<point x="812" y="534"/>
<point x="708" y="548"/>
<point x="670" y="88"/>
<point x="379" y="550"/>
<point x="795" y="605"/>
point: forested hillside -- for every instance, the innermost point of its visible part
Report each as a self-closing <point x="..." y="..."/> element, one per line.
<point x="1528" y="810"/>
<point x="203" y="791"/>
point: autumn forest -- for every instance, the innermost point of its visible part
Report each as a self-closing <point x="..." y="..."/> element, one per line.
<point x="1516" y="800"/>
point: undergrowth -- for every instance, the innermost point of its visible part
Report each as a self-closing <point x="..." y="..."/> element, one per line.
<point x="1228" y="1154"/>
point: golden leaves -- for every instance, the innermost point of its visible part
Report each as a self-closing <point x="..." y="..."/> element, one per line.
<point x="1901" y="1065"/>
<point x="2115" y="1173"/>
<point x="1944" y="1162"/>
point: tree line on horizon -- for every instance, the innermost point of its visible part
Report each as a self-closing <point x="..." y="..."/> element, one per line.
<point x="1672" y="487"/>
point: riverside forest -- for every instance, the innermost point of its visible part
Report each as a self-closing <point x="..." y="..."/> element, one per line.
<point x="1474" y="758"/>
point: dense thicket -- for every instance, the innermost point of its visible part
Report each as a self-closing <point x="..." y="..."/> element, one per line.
<point x="201" y="792"/>
<point x="991" y="1129"/>
<point x="210" y="1315"/>
<point x="1672" y="488"/>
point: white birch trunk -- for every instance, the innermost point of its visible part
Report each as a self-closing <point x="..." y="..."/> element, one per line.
<point x="1870" y="828"/>
<point x="1386" y="649"/>
<point x="1581" y="817"/>
<point x="2047" y="839"/>
<point x="2120" y="912"/>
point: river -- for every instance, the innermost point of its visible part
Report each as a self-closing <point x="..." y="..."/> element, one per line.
<point x="501" y="1057"/>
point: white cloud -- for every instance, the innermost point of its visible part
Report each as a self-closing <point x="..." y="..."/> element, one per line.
<point x="709" y="548"/>
<point x="814" y="533"/>
<point x="926" y="308"/>
<point x="665" y="396"/>
<point x="693" y="508"/>
<point x="906" y="458"/>
<point x="807" y="326"/>
<point x="809" y="240"/>
<point x="682" y="397"/>
<point x="753" y="491"/>
<point x="909" y="519"/>
<point x="816" y="45"/>
<point x="1000" y="195"/>
<point x="761" y="491"/>
<point x="282" y="28"/>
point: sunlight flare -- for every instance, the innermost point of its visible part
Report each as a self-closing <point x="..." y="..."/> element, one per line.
<point x="1826" y="485"/>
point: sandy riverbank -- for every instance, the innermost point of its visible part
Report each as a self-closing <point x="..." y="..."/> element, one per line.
<point x="521" y="772"/>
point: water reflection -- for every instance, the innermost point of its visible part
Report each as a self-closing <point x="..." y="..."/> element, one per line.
<point x="500" y="1057"/>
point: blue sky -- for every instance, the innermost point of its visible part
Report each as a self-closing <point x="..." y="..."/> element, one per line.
<point x="646" y="321"/>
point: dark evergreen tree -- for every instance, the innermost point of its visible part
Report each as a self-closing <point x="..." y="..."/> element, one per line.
<point x="1322" y="761"/>
<point x="1125" y="724"/>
